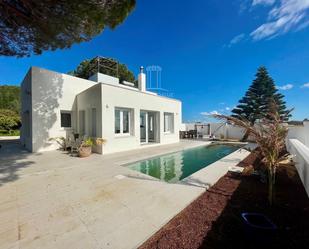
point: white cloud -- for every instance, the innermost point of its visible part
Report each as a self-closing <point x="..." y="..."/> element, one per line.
<point x="285" y="87"/>
<point x="263" y="2"/>
<point x="236" y="39"/>
<point x="283" y="17"/>
<point x="227" y="108"/>
<point x="306" y="85"/>
<point x="210" y="113"/>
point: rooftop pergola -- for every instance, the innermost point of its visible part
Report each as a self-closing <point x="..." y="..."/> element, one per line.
<point x="103" y="62"/>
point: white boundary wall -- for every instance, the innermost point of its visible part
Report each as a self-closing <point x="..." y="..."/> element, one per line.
<point x="301" y="159"/>
<point x="300" y="133"/>
<point x="228" y="131"/>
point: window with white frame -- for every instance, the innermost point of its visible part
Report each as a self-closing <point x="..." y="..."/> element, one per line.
<point x="168" y="122"/>
<point x="122" y="121"/>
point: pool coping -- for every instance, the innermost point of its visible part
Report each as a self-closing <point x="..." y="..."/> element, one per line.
<point x="182" y="181"/>
<point x="208" y="176"/>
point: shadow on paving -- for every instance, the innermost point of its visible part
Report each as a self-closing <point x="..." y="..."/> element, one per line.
<point x="12" y="158"/>
<point x="214" y="220"/>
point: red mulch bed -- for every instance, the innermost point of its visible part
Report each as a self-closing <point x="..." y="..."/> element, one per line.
<point x="214" y="219"/>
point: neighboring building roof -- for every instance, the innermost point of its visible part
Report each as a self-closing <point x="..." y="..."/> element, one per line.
<point x="296" y="123"/>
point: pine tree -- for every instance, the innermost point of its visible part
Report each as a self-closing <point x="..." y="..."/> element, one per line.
<point x="256" y="103"/>
<point x="30" y="26"/>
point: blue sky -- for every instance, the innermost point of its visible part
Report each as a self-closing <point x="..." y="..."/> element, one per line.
<point x="209" y="50"/>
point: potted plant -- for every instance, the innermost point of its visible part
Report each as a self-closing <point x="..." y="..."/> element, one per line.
<point x="85" y="148"/>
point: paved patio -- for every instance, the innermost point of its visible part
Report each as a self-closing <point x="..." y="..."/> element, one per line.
<point x="52" y="200"/>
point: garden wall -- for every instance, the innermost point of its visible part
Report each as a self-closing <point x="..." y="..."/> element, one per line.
<point x="300" y="132"/>
<point x="301" y="159"/>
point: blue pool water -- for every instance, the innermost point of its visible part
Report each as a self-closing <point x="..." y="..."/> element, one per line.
<point x="177" y="166"/>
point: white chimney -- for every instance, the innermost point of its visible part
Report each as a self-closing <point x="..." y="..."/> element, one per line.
<point x="142" y="80"/>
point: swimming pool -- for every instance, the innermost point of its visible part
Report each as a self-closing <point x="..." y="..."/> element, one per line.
<point x="176" y="166"/>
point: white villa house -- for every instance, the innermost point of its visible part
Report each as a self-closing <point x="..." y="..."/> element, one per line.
<point x="60" y="105"/>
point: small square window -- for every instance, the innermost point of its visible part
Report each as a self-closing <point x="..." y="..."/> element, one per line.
<point x="65" y="119"/>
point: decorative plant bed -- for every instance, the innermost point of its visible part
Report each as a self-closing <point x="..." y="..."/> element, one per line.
<point x="214" y="220"/>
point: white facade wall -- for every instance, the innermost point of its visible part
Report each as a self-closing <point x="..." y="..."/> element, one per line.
<point x="103" y="78"/>
<point x="118" y="96"/>
<point x="86" y="101"/>
<point x="45" y="94"/>
<point x="51" y="92"/>
<point x="26" y="112"/>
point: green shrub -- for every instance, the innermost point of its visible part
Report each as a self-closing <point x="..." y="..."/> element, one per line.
<point x="9" y="120"/>
<point x="9" y="133"/>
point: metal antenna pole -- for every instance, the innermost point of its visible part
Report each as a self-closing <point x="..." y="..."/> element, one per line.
<point x="98" y="64"/>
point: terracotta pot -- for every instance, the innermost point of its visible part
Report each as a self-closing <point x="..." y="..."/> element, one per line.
<point x="84" y="151"/>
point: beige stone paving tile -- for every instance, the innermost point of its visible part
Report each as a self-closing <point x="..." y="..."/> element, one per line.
<point x="55" y="223"/>
<point x="101" y="210"/>
<point x="33" y="210"/>
<point x="128" y="235"/>
<point x="38" y="242"/>
<point x="8" y="238"/>
<point x="8" y="195"/>
<point x="8" y="224"/>
<point x="36" y="227"/>
<point x="106" y="221"/>
<point x="8" y="206"/>
<point x="29" y="200"/>
<point x="13" y="246"/>
<point x="8" y="215"/>
<point x="79" y="238"/>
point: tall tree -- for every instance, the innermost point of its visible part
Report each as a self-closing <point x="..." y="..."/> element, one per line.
<point x="256" y="103"/>
<point x="9" y="120"/>
<point x="31" y="26"/>
<point x="269" y="135"/>
<point x="10" y="98"/>
<point x="107" y="66"/>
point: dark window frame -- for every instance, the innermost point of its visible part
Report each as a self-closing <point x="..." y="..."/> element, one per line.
<point x="63" y="120"/>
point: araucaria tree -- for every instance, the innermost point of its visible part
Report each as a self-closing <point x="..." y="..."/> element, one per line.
<point x="256" y="103"/>
<point x="32" y="26"/>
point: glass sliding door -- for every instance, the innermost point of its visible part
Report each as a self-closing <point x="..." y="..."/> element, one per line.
<point x="149" y="126"/>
